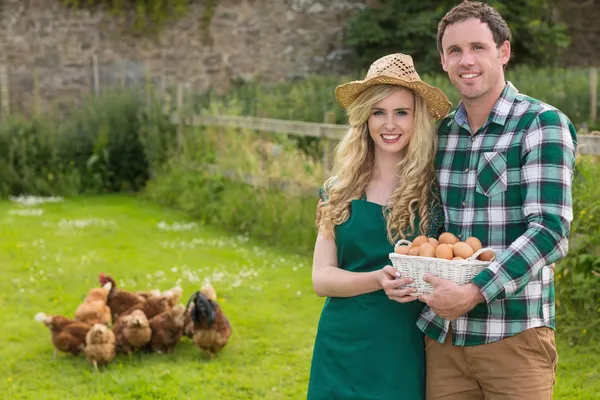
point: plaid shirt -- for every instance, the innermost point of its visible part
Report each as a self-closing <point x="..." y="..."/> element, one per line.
<point x="509" y="185"/>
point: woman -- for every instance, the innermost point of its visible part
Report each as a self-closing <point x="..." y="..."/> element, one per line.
<point x="382" y="189"/>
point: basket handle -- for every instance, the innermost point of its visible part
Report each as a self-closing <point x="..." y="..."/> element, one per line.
<point x="480" y="251"/>
<point x="402" y="241"/>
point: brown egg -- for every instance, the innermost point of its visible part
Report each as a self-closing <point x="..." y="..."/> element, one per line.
<point x="474" y="243"/>
<point x="486" y="256"/>
<point x="427" y="250"/>
<point x="444" y="251"/>
<point x="414" y="251"/>
<point x="462" y="249"/>
<point x="434" y="242"/>
<point x="458" y="258"/>
<point x="402" y="250"/>
<point x="448" y="238"/>
<point x="419" y="240"/>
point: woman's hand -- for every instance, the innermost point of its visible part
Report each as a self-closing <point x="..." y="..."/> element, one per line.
<point x="392" y="283"/>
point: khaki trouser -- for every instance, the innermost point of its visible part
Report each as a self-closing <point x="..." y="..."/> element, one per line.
<point x="519" y="367"/>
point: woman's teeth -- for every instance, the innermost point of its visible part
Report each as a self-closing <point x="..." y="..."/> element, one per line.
<point x="390" y="137"/>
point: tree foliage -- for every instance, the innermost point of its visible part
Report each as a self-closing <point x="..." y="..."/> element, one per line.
<point x="410" y="26"/>
<point x="148" y="16"/>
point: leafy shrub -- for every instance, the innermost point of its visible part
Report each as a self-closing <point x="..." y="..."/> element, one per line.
<point x="110" y="144"/>
<point x="578" y="275"/>
<point x="206" y="180"/>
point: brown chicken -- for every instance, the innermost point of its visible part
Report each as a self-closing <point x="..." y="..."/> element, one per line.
<point x="94" y="309"/>
<point x="173" y="295"/>
<point x="100" y="345"/>
<point x="167" y="329"/>
<point x="146" y="294"/>
<point x="67" y="335"/>
<point x="151" y="307"/>
<point x="211" y="328"/>
<point x="132" y="332"/>
<point x="119" y="300"/>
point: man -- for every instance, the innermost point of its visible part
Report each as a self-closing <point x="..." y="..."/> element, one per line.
<point x="505" y="166"/>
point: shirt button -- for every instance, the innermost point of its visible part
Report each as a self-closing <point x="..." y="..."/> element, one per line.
<point x="460" y="235"/>
<point x="464" y="203"/>
<point x="466" y="169"/>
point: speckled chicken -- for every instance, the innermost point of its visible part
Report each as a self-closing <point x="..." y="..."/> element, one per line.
<point x="100" y="345"/>
<point x="94" y="309"/>
<point x="167" y="328"/>
<point x="66" y="334"/>
<point x="132" y="332"/>
<point x="211" y="328"/>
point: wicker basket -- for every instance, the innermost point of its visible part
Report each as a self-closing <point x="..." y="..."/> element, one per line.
<point x="459" y="271"/>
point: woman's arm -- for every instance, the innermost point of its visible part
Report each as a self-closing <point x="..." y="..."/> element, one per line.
<point x="331" y="281"/>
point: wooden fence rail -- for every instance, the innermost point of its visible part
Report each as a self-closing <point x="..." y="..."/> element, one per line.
<point x="298" y="128"/>
<point x="587" y="144"/>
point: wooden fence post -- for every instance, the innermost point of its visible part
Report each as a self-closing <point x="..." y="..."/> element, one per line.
<point x="180" y="115"/>
<point x="36" y="92"/>
<point x="148" y="86"/>
<point x="593" y="95"/>
<point x="95" y="74"/>
<point x="327" y="145"/>
<point x="122" y="76"/>
<point x="4" y="92"/>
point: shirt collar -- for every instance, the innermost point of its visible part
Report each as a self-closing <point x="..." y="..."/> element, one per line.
<point x="499" y="113"/>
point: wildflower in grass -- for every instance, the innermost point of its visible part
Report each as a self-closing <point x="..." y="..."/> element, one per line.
<point x="177" y="226"/>
<point x="27" y="200"/>
<point x="84" y="223"/>
<point x="33" y="212"/>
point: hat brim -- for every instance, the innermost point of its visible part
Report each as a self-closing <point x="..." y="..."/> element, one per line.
<point x="437" y="102"/>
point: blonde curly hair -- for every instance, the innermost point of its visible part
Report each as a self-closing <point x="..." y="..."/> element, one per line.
<point x="354" y="163"/>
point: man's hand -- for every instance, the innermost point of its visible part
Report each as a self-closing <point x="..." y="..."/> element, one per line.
<point x="450" y="300"/>
<point x="392" y="283"/>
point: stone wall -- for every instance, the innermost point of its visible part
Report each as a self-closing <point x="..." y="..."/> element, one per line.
<point x="267" y="40"/>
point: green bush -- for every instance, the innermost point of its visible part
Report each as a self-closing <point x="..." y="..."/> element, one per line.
<point x="269" y="215"/>
<point x="205" y="180"/>
<point x="578" y="275"/>
<point x="110" y="144"/>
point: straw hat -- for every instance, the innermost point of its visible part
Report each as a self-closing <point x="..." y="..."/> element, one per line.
<point x="395" y="69"/>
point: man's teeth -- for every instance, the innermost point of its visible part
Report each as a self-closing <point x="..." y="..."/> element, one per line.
<point x="390" y="137"/>
<point x="469" y="76"/>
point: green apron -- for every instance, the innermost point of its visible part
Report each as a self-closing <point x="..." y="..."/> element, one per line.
<point x="367" y="347"/>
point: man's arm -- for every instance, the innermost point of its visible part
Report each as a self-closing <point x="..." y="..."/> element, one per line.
<point x="547" y="173"/>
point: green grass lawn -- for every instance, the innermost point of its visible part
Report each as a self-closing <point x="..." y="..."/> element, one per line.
<point x="48" y="262"/>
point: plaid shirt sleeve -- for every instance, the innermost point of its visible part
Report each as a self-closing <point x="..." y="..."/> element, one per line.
<point x="548" y="159"/>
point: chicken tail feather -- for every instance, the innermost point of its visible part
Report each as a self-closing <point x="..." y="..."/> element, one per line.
<point x="192" y="299"/>
<point x="43" y="318"/>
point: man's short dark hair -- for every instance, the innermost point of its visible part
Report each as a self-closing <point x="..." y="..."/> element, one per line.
<point x="475" y="10"/>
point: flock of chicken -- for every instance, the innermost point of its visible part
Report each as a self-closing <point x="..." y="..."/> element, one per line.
<point x="112" y="320"/>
